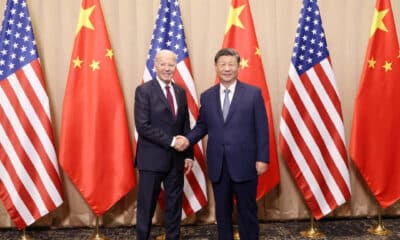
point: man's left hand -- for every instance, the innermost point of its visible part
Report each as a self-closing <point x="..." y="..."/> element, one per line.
<point x="188" y="165"/>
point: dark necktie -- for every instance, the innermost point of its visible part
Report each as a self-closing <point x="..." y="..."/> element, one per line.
<point x="170" y="101"/>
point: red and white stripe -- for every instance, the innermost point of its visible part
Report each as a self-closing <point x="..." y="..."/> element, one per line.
<point x="195" y="187"/>
<point x="30" y="184"/>
<point x="312" y="138"/>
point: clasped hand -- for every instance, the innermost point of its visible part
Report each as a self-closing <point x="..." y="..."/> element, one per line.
<point x="181" y="143"/>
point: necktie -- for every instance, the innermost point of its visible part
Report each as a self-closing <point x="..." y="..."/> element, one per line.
<point x="170" y="101"/>
<point x="226" y="105"/>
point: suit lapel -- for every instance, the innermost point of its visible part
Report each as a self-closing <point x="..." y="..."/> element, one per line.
<point x="218" y="100"/>
<point x="179" y="98"/>
<point x="159" y="91"/>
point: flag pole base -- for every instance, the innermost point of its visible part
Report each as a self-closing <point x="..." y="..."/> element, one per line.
<point x="24" y="236"/>
<point x="379" y="229"/>
<point x="98" y="235"/>
<point x="161" y="237"/>
<point x="164" y="237"/>
<point x="236" y="235"/>
<point x="312" y="232"/>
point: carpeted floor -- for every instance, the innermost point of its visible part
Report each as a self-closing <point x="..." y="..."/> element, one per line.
<point x="344" y="229"/>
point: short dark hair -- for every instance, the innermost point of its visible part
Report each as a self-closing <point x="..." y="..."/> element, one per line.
<point x="227" y="52"/>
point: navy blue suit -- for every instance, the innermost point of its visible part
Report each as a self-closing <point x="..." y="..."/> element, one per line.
<point x="233" y="147"/>
<point x="156" y="160"/>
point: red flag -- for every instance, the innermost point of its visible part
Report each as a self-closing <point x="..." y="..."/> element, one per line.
<point x="95" y="148"/>
<point x="241" y="35"/>
<point x="375" y="140"/>
<point x="169" y="17"/>
<point x="311" y="129"/>
<point x="29" y="177"/>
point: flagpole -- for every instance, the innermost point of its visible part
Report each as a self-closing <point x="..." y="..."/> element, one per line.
<point x="98" y="235"/>
<point x="312" y="232"/>
<point x="24" y="236"/>
<point x="379" y="229"/>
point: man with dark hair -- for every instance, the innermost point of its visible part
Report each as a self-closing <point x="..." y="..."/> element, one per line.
<point x="233" y="115"/>
<point x="227" y="52"/>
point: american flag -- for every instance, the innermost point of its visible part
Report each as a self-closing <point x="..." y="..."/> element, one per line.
<point x="29" y="177"/>
<point x="168" y="33"/>
<point x="311" y="129"/>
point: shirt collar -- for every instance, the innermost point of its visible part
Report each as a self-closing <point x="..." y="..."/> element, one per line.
<point x="163" y="84"/>
<point x="232" y="87"/>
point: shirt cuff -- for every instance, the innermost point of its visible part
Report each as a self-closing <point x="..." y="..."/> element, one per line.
<point x="173" y="142"/>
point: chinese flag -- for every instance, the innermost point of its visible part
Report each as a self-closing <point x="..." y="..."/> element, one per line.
<point x="95" y="147"/>
<point x="375" y="138"/>
<point x="240" y="34"/>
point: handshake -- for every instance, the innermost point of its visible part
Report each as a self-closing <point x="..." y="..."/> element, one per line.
<point x="181" y="143"/>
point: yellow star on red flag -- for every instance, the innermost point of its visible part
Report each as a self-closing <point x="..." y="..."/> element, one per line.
<point x="387" y="66"/>
<point x="84" y="20"/>
<point x="95" y="65"/>
<point x="371" y="63"/>
<point x="244" y="63"/>
<point x="377" y="22"/>
<point x="77" y="62"/>
<point x="233" y="18"/>
<point x="109" y="53"/>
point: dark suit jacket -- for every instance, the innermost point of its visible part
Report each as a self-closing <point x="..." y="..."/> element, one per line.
<point x="243" y="138"/>
<point x="156" y="128"/>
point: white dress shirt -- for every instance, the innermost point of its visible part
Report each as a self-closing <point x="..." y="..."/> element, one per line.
<point x="222" y="88"/>
<point x="172" y="90"/>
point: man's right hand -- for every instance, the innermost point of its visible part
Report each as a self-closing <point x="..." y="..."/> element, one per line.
<point x="181" y="143"/>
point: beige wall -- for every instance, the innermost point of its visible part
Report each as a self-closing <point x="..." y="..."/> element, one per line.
<point x="130" y="23"/>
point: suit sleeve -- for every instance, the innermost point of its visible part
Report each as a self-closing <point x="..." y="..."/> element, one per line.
<point x="200" y="130"/>
<point x="262" y="130"/>
<point x="186" y="129"/>
<point x="143" y="124"/>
